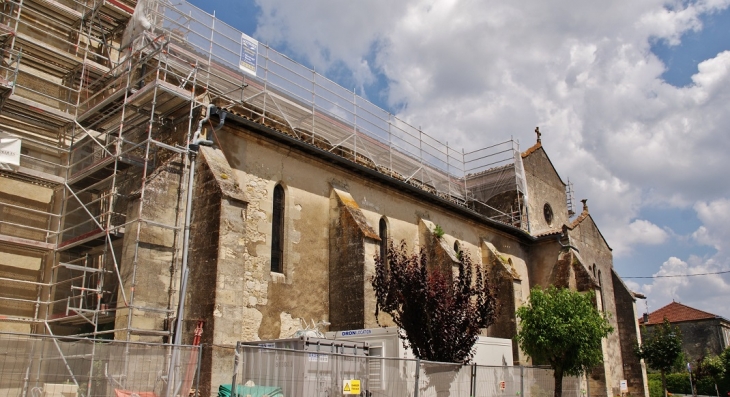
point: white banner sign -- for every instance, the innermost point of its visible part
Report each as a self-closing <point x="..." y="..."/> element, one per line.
<point x="9" y="150"/>
<point x="249" y="54"/>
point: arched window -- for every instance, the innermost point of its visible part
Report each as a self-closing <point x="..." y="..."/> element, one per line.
<point x="277" y="231"/>
<point x="383" y="226"/>
<point x="457" y="249"/>
<point x="600" y="286"/>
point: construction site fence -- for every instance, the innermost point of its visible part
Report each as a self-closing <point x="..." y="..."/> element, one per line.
<point x="285" y="372"/>
<point x="56" y="366"/>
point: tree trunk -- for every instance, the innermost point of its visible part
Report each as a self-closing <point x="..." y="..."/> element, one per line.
<point x="558" y="376"/>
<point x="441" y="376"/>
<point x="664" y="383"/>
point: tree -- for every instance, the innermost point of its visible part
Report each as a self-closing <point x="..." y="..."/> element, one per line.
<point x="564" y="329"/>
<point x="714" y="367"/>
<point x="660" y="349"/>
<point x="441" y="315"/>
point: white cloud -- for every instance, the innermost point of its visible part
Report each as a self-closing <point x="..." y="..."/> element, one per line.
<point x="715" y="230"/>
<point x="638" y="232"/>
<point x="707" y="293"/>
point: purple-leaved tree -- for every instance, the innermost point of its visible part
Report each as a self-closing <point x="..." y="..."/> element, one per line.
<point x="440" y="313"/>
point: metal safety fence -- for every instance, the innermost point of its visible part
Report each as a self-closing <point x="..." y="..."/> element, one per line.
<point x="262" y="370"/>
<point x="55" y="366"/>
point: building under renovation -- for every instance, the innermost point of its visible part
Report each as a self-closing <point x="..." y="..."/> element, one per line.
<point x="161" y="171"/>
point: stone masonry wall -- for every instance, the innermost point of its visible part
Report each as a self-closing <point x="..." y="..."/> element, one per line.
<point x="203" y="266"/>
<point x="505" y="279"/>
<point x="596" y="254"/>
<point x="628" y="330"/>
<point x="544" y="186"/>
<point x="349" y="231"/>
<point x="215" y="292"/>
<point x="701" y="337"/>
<point x="277" y="304"/>
<point x="148" y="278"/>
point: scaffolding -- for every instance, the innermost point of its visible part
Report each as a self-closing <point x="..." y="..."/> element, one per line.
<point x="570" y="193"/>
<point x="106" y="130"/>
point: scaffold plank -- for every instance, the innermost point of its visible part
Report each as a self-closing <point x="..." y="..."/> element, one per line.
<point x="62" y="60"/>
<point x="26" y="243"/>
<point x="45" y="177"/>
<point x="59" y="117"/>
<point x="82" y="268"/>
<point x="56" y="9"/>
<point x="167" y="97"/>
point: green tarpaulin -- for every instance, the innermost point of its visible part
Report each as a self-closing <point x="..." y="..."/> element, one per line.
<point x="250" y="391"/>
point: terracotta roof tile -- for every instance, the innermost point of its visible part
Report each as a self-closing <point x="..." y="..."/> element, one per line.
<point x="549" y="232"/>
<point x="676" y="312"/>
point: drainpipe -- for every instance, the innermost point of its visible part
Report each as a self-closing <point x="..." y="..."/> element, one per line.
<point x="193" y="151"/>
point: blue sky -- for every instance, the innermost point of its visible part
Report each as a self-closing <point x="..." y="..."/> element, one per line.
<point x="632" y="98"/>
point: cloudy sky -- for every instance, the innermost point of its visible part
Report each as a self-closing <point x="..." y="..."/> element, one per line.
<point x="632" y="97"/>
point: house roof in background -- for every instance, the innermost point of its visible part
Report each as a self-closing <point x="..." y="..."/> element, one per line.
<point x="676" y="312"/>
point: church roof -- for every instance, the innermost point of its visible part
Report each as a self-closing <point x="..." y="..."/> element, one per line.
<point x="676" y="312"/>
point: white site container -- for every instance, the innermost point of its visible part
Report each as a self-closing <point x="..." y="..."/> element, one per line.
<point x="384" y="342"/>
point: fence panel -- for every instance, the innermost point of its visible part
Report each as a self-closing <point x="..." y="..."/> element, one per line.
<point x="297" y="373"/>
<point x="39" y="365"/>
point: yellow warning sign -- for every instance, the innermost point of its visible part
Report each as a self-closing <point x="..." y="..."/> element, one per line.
<point x="351" y="386"/>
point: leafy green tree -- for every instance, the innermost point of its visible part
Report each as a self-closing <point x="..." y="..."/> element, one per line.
<point x="714" y="367"/>
<point x="660" y="349"/>
<point x="441" y="315"/>
<point x="564" y="329"/>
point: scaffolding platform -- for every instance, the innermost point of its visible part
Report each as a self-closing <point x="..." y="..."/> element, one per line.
<point x="112" y="10"/>
<point x="84" y="73"/>
<point x="26" y="243"/>
<point x="163" y="96"/>
<point x="91" y="239"/>
<point x="101" y="170"/>
<point x="29" y="174"/>
<point x="49" y="59"/>
<point x="35" y="113"/>
<point x="105" y="20"/>
<point x="62" y="14"/>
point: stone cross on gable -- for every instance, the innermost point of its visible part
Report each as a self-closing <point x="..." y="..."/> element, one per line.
<point x="537" y="131"/>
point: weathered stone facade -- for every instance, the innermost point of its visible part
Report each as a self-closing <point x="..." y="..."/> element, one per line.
<point x="332" y="209"/>
<point x="628" y="331"/>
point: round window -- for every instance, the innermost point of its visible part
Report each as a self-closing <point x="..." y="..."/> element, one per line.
<point x="548" y="212"/>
